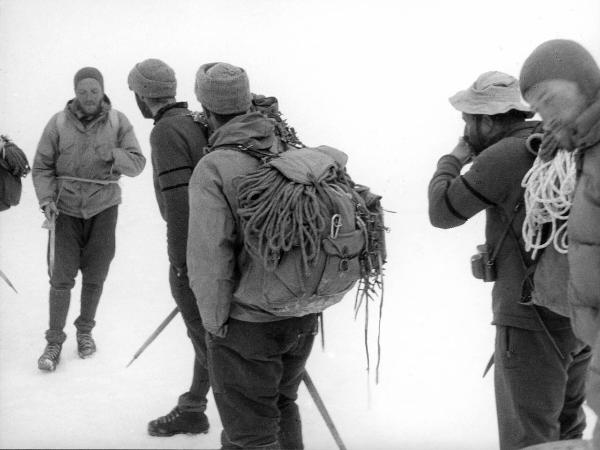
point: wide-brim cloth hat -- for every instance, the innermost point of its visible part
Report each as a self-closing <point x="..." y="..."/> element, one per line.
<point x="492" y="93"/>
<point x="223" y="88"/>
<point x="88" y="72"/>
<point x="153" y="78"/>
<point x="561" y="59"/>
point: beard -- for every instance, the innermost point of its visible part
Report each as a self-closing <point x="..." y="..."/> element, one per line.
<point x="144" y="109"/>
<point x="91" y="108"/>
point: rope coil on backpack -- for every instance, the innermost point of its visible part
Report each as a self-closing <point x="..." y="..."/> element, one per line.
<point x="278" y="215"/>
<point x="548" y="196"/>
<point x="14" y="158"/>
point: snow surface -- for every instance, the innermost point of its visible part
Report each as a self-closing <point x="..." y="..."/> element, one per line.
<point x="371" y="78"/>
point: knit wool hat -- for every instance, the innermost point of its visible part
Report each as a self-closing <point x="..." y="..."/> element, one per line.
<point x="223" y="88"/>
<point x="88" y="72"/>
<point x="561" y="59"/>
<point x="492" y="93"/>
<point x="152" y="78"/>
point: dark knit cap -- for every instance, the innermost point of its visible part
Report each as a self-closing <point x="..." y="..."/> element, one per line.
<point x="152" y="78"/>
<point x="223" y="88"/>
<point x="561" y="59"/>
<point x="88" y="72"/>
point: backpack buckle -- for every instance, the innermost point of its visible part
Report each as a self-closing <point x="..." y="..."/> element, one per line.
<point x="336" y="224"/>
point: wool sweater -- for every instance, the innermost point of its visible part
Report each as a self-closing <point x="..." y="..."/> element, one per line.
<point x="177" y="143"/>
<point x="493" y="184"/>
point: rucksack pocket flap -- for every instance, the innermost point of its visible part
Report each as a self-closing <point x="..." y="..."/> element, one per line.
<point x="345" y="245"/>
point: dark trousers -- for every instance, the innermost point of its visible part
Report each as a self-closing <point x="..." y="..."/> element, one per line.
<point x="80" y="244"/>
<point x="193" y="400"/>
<point x="539" y="395"/>
<point x="255" y="373"/>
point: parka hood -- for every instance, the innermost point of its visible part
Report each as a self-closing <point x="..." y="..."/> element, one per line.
<point x="252" y="130"/>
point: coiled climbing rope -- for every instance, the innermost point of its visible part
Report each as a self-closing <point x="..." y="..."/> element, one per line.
<point x="548" y="196"/>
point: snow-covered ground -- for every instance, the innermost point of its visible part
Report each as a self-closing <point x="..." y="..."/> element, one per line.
<point x="371" y="78"/>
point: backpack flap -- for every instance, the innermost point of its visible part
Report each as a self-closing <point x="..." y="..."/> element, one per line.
<point x="303" y="165"/>
<point x="342" y="263"/>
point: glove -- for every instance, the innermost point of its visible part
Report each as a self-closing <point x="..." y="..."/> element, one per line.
<point x="15" y="158"/>
<point x="105" y="153"/>
<point x="548" y="147"/>
<point x="50" y="210"/>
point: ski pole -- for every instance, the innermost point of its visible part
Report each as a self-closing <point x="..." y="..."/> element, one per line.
<point x="312" y="390"/>
<point x="153" y="336"/>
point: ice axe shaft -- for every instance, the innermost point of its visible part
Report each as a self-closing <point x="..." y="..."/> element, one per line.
<point x="312" y="390"/>
<point x="153" y="336"/>
<point x="310" y="386"/>
<point x="5" y="278"/>
<point x="50" y="225"/>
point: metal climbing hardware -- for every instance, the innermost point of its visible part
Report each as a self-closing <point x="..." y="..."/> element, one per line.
<point x="336" y="224"/>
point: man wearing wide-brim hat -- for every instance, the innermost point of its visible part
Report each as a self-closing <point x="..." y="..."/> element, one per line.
<point x="540" y="365"/>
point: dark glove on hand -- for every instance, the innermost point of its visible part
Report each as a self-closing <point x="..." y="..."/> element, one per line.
<point x="548" y="147"/>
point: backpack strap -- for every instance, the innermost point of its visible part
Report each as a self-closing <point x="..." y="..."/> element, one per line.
<point x="508" y="228"/>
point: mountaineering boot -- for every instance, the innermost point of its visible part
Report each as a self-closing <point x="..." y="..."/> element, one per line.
<point x="85" y="344"/>
<point x="179" y="421"/>
<point x="50" y="358"/>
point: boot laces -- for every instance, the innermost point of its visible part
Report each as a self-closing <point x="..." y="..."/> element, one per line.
<point x="52" y="351"/>
<point x="85" y="341"/>
<point x="173" y="415"/>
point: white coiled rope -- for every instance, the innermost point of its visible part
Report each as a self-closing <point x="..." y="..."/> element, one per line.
<point x="548" y="196"/>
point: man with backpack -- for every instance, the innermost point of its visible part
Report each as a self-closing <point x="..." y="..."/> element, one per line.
<point x="540" y="364"/>
<point x="561" y="80"/>
<point x="177" y="143"/>
<point x="82" y="153"/>
<point x="272" y="242"/>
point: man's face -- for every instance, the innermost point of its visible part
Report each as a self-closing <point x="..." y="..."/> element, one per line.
<point x="475" y="132"/>
<point x="559" y="102"/>
<point x="89" y="93"/>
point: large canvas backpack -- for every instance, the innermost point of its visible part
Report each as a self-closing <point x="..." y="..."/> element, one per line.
<point x="13" y="166"/>
<point x="315" y="231"/>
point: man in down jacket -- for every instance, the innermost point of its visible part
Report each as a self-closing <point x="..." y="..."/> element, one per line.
<point x="561" y="80"/>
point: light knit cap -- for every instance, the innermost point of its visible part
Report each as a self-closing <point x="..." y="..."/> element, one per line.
<point x="223" y="88"/>
<point x="492" y="93"/>
<point x="152" y="78"/>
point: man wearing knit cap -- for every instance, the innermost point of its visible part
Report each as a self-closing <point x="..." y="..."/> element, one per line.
<point x="177" y="143"/>
<point x="561" y="81"/>
<point x="539" y="364"/>
<point x="256" y="358"/>
<point x="81" y="156"/>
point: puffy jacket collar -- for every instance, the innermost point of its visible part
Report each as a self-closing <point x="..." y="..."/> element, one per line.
<point x="167" y="110"/>
<point x="251" y="131"/>
<point x="81" y="118"/>
<point x="587" y="126"/>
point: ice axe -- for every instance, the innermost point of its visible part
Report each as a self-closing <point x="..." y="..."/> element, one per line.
<point x="153" y="336"/>
<point x="310" y="386"/>
<point x="50" y="225"/>
<point x="5" y="278"/>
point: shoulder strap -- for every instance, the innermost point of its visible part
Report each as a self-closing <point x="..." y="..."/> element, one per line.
<point x="61" y="120"/>
<point x="113" y="118"/>
<point x="508" y="228"/>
